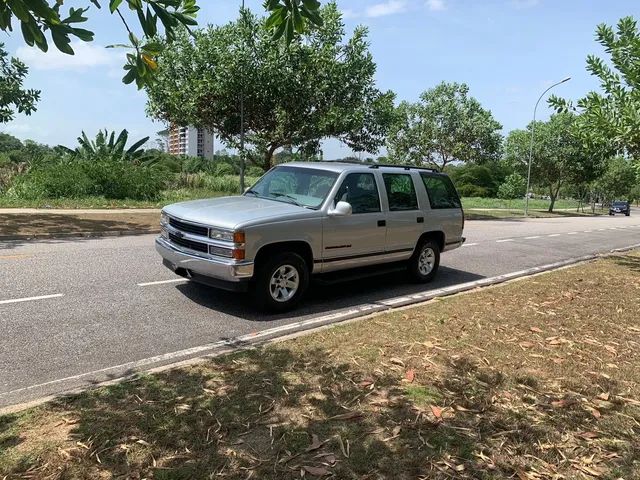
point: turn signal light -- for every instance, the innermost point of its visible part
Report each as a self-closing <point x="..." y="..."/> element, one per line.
<point x="238" y="237"/>
<point x="238" y="253"/>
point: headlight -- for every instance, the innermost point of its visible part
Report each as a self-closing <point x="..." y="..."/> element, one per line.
<point x="164" y="219"/>
<point x="226" y="235"/>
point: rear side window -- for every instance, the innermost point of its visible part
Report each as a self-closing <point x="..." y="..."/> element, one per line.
<point x="442" y="193"/>
<point x="400" y="192"/>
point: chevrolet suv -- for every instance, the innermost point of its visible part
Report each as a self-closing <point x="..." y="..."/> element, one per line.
<point x="309" y="219"/>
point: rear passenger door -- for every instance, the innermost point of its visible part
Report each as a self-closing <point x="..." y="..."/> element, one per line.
<point x="404" y="219"/>
<point x="446" y="208"/>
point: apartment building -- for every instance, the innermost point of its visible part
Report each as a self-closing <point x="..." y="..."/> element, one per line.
<point x="190" y="141"/>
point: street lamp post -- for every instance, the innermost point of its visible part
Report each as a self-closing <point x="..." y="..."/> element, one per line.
<point x="242" y="156"/>
<point x="533" y="128"/>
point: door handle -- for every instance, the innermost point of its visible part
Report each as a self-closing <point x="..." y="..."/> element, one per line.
<point x="420" y="219"/>
<point x="382" y="223"/>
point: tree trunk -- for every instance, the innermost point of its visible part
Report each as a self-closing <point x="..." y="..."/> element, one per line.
<point x="553" y="195"/>
<point x="268" y="157"/>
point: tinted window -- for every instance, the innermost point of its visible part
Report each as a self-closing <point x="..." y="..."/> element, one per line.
<point x="400" y="192"/>
<point x="360" y="190"/>
<point x="442" y="193"/>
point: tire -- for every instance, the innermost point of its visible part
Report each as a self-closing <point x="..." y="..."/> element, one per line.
<point x="420" y="269"/>
<point x="286" y="267"/>
<point x="628" y="214"/>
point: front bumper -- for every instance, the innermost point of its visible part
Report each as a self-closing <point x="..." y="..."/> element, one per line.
<point x="216" y="272"/>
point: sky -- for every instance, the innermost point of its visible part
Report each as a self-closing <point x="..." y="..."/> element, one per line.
<point x="507" y="51"/>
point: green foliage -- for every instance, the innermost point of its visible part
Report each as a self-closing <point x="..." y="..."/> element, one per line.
<point x="9" y="143"/>
<point x="107" y="146"/>
<point x="222" y="168"/>
<point x="473" y="180"/>
<point x="13" y="97"/>
<point x="111" y="179"/>
<point x="612" y="117"/>
<point x="618" y="181"/>
<point x="255" y="172"/>
<point x="37" y="17"/>
<point x="446" y="125"/>
<point x="513" y="187"/>
<point x="319" y="87"/>
<point x="559" y="157"/>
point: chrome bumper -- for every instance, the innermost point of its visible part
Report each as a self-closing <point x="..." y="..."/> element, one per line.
<point x="225" y="270"/>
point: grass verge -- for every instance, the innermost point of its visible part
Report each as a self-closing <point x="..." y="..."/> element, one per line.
<point x="535" y="379"/>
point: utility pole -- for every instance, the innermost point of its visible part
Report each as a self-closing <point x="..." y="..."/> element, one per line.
<point x="242" y="80"/>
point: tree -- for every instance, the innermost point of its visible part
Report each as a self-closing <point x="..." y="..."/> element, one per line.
<point x="612" y="116"/>
<point x="37" y="17"/>
<point x="559" y="157"/>
<point x="514" y="186"/>
<point x="479" y="180"/>
<point x="107" y="146"/>
<point x="618" y="180"/>
<point x="318" y="87"/>
<point x="13" y="97"/>
<point x="9" y="143"/>
<point x="445" y="126"/>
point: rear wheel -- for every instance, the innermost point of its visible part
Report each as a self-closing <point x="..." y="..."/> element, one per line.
<point x="423" y="264"/>
<point x="280" y="282"/>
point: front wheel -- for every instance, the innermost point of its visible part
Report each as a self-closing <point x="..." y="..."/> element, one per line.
<point x="423" y="264"/>
<point x="280" y="282"/>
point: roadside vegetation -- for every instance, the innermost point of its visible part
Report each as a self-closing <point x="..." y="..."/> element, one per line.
<point x="543" y="386"/>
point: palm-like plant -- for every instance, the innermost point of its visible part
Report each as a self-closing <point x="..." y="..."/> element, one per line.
<point x="107" y="146"/>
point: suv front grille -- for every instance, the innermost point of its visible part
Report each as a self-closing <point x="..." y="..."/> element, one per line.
<point x="183" y="242"/>
<point x="189" y="227"/>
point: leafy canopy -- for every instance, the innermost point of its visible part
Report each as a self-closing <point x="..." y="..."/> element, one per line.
<point x="612" y="116"/>
<point x="319" y="87"/>
<point x="39" y="19"/>
<point x="559" y="158"/>
<point x="13" y="97"/>
<point x="446" y="125"/>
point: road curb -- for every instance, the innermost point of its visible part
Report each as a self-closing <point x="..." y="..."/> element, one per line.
<point x="72" y="235"/>
<point x="131" y="370"/>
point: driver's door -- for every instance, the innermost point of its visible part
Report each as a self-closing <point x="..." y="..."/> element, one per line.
<point x="357" y="239"/>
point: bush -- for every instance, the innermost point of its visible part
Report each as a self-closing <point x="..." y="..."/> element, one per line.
<point x="222" y="168"/>
<point x="468" y="190"/>
<point x="514" y="186"/>
<point x="111" y="179"/>
<point x="254" y="171"/>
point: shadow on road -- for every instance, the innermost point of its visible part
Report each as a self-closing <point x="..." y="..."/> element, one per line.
<point x="325" y="298"/>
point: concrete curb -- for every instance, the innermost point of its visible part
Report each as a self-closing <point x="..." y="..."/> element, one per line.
<point x="128" y="371"/>
<point x="72" y="235"/>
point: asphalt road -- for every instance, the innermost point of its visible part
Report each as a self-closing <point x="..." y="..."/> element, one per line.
<point x="79" y="311"/>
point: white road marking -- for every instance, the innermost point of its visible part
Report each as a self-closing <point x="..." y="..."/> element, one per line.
<point x="587" y="231"/>
<point x="505" y="240"/>
<point x="469" y="244"/>
<point x="572" y="233"/>
<point x="162" y="282"/>
<point x="31" y="299"/>
<point x="554" y="235"/>
<point x="601" y="229"/>
<point x="531" y="238"/>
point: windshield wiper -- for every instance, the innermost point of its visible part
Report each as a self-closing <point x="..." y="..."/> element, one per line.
<point x="252" y="192"/>
<point x="288" y="197"/>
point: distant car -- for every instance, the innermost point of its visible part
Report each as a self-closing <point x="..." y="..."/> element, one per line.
<point x="620" y="207"/>
<point x="303" y="219"/>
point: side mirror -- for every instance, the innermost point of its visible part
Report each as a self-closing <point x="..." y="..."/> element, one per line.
<point x="342" y="209"/>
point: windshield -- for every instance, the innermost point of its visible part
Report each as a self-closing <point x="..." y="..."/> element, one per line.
<point x="306" y="187"/>
<point x="619" y="204"/>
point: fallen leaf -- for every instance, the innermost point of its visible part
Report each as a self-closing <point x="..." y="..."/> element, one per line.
<point x="316" y="471"/>
<point x="346" y="416"/>
<point x="437" y="412"/>
<point x="526" y="344"/>
<point x="604" y="396"/>
<point x="315" y="443"/>
<point x="397" y="361"/>
<point x="410" y="375"/>
<point x="536" y="330"/>
<point x="595" y="412"/>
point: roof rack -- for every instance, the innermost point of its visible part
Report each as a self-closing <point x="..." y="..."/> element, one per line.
<point x="404" y="167"/>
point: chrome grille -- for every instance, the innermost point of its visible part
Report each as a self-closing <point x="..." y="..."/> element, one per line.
<point x="183" y="242"/>
<point x="188" y="227"/>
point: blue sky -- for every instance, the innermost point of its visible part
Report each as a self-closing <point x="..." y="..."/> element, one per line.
<point x="507" y="51"/>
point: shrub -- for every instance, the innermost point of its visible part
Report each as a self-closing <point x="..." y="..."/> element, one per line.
<point x="111" y="179"/>
<point x="514" y="187"/>
<point x="254" y="171"/>
<point x="222" y="168"/>
<point x="468" y="190"/>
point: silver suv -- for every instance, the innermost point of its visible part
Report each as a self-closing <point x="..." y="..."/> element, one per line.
<point x="304" y="219"/>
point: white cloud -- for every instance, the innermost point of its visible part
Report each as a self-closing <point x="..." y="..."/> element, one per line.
<point x="388" y="8"/>
<point x="17" y="128"/>
<point x="86" y="56"/>
<point x="435" y="5"/>
<point x="348" y="13"/>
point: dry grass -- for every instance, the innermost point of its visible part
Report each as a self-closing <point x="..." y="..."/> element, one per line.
<point x="536" y="379"/>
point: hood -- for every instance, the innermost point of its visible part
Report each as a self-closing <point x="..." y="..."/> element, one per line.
<point x="233" y="212"/>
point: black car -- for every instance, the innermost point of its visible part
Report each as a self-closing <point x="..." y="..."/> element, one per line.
<point x="620" y="207"/>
